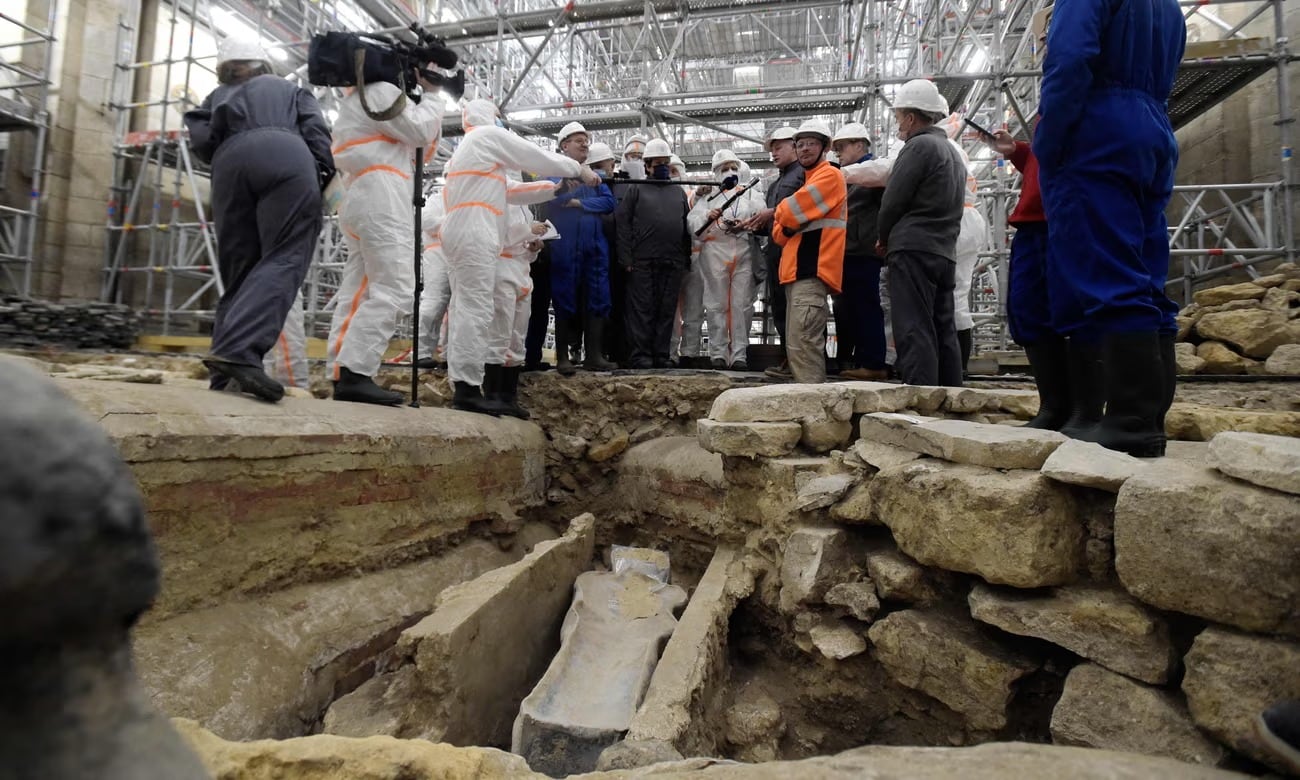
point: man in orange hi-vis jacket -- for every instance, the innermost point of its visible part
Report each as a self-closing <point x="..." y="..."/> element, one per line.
<point x="810" y="227"/>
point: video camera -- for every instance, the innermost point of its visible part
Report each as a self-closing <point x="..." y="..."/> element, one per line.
<point x="348" y="59"/>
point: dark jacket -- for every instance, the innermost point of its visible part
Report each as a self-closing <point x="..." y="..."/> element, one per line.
<point x="787" y="183"/>
<point x="651" y="224"/>
<point x="864" y="218"/>
<point x="259" y="103"/>
<point x="921" y="208"/>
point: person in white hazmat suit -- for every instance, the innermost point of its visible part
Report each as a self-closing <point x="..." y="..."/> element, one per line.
<point x="474" y="233"/>
<point x="286" y="363"/>
<point x="377" y="218"/>
<point x="688" y="330"/>
<point x="726" y="264"/>
<point x="436" y="295"/>
<point x="973" y="237"/>
<point x="512" y="296"/>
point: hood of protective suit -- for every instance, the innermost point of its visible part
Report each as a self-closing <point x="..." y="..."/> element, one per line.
<point x="478" y="113"/>
<point x="952" y="125"/>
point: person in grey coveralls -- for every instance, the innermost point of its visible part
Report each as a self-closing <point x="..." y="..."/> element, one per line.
<point x="269" y="148"/>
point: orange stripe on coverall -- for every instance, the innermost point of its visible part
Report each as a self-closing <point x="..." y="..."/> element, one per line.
<point x="477" y="204"/>
<point x="370" y="139"/>
<point x="343" y="331"/>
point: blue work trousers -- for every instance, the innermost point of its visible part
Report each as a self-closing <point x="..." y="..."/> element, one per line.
<point x="1108" y="242"/>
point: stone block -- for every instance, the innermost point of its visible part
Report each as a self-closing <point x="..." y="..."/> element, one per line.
<point x="882" y="456"/>
<point x="897" y="577"/>
<point x="1270" y="281"/>
<point x="749" y="439"/>
<point x="1253" y="332"/>
<point x="1091" y="465"/>
<point x="1231" y="678"/>
<point x="825" y="435"/>
<point x="837" y="640"/>
<point x="872" y="397"/>
<point x="855" y="506"/>
<point x="889" y="428"/>
<point x="947" y="657"/>
<point x="1214" y="296"/>
<point x="1015" y="528"/>
<point x="995" y="446"/>
<point x="823" y="491"/>
<point x="1268" y="461"/>
<point x="634" y="753"/>
<point x="609" y="448"/>
<point x="692" y="673"/>
<point x="1285" y="360"/>
<point x="814" y="558"/>
<point x="859" y="598"/>
<point x="609" y="647"/>
<point x="1220" y="359"/>
<point x="755" y="725"/>
<point x="1191" y="540"/>
<point x="1107" y="626"/>
<point x="1284" y="301"/>
<point x="763" y="493"/>
<point x="1198" y="422"/>
<point x="491" y="638"/>
<point x="1187" y="360"/>
<point x="1101" y="709"/>
<point x="967" y="400"/>
<point x="288" y="492"/>
<point x="783" y="403"/>
<point x="672" y="477"/>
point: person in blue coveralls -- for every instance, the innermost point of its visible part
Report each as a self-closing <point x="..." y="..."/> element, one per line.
<point x="1106" y="155"/>
<point x="580" y="262"/>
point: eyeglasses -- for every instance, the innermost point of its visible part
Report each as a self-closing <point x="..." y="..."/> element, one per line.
<point x="807" y="143"/>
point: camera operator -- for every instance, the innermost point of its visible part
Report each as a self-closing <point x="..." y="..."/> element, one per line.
<point x="377" y="221"/>
<point x="268" y="145"/>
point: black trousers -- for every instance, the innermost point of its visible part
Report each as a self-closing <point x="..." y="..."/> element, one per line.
<point x="616" y="333"/>
<point x="859" y="318"/>
<point x="266" y="204"/>
<point x="775" y="292"/>
<point x="535" y="339"/>
<point x="921" y="311"/>
<point x="652" y="289"/>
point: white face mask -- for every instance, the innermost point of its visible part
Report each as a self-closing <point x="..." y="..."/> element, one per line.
<point x="634" y="168"/>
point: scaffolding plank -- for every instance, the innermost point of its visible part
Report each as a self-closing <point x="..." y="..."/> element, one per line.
<point x="1213" y="71"/>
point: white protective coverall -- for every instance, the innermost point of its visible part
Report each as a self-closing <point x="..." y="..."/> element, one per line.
<point x="513" y="293"/>
<point x="974" y="235"/>
<point x="376" y="217"/>
<point x="474" y="229"/>
<point x="286" y="363"/>
<point x="726" y="270"/>
<point x="437" y="288"/>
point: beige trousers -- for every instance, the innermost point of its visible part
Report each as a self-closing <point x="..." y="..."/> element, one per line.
<point x="805" y="330"/>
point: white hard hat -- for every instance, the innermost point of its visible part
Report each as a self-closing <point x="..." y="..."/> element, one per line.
<point x="634" y="144"/>
<point x="599" y="153"/>
<point x="724" y="156"/>
<point x="853" y="131"/>
<point x="244" y="50"/>
<point x="675" y="162"/>
<point x="658" y="147"/>
<point x="814" y="127"/>
<point x="785" y="133"/>
<point x="572" y="128"/>
<point x="922" y="95"/>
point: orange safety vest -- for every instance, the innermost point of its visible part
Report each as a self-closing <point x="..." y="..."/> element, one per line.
<point x="818" y="212"/>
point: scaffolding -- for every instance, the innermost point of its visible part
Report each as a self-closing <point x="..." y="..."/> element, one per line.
<point x="707" y="73"/>
<point x="26" y="76"/>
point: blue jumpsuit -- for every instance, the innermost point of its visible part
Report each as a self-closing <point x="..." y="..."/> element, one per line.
<point x="1106" y="154"/>
<point x="580" y="256"/>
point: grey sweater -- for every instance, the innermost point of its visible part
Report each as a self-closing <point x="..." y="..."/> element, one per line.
<point x="921" y="207"/>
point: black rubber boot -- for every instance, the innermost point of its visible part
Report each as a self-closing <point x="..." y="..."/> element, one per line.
<point x="1169" y="361"/>
<point x="508" y="397"/>
<point x="1135" y="395"/>
<point x="248" y="379"/>
<point x="966" y="343"/>
<point x="1087" y="377"/>
<point x="562" y="362"/>
<point x="594" y="346"/>
<point x="491" y="380"/>
<point x="1050" y="361"/>
<point x="351" y="386"/>
<point x="467" y="398"/>
<point x="427" y="363"/>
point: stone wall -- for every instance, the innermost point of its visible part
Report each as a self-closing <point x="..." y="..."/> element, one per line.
<point x="1020" y="580"/>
